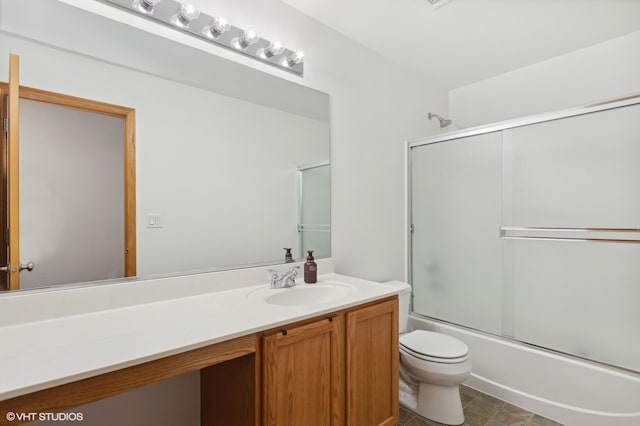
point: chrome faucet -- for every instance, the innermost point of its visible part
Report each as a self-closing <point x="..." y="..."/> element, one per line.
<point x="288" y="279"/>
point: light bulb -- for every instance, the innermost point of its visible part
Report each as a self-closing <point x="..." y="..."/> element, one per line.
<point x="295" y="58"/>
<point x="249" y="37"/>
<point x="188" y="12"/>
<point x="147" y="5"/>
<point x="274" y="48"/>
<point x="219" y="26"/>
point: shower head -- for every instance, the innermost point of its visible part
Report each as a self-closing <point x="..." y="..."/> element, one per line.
<point x="444" y="122"/>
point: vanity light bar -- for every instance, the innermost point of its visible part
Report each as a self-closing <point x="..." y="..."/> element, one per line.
<point x="182" y="15"/>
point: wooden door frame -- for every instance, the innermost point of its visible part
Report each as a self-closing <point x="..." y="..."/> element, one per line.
<point x="10" y="183"/>
<point x="128" y="115"/>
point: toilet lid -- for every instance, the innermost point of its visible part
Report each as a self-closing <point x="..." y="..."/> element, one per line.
<point x="435" y="345"/>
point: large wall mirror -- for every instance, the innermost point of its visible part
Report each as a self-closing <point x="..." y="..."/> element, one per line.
<point x="232" y="164"/>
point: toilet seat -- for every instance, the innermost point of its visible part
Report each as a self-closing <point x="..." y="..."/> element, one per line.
<point x="434" y="347"/>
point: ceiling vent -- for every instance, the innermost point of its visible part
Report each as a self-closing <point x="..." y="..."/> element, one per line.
<point x="437" y="3"/>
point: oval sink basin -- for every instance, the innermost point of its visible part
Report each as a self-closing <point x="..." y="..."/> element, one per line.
<point x="306" y="294"/>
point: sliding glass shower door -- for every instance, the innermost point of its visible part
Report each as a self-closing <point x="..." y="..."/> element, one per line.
<point x="532" y="232"/>
<point x="570" y="235"/>
<point x="456" y="207"/>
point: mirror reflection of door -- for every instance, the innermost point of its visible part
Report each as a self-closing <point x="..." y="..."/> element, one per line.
<point x="77" y="190"/>
<point x="71" y="195"/>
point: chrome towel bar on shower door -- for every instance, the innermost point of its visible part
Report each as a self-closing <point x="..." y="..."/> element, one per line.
<point x="611" y="235"/>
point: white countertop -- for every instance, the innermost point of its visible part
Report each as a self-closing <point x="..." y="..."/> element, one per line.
<point x="54" y="350"/>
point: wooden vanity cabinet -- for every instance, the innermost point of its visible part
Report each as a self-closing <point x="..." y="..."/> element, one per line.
<point x="302" y="374"/>
<point x="372" y="365"/>
<point x="340" y="370"/>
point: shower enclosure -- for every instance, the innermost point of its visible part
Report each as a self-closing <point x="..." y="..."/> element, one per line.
<point x="530" y="230"/>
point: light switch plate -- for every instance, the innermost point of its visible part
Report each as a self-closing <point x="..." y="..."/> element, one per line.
<point x="154" y="220"/>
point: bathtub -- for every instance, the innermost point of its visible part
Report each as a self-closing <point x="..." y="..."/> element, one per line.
<point x="566" y="389"/>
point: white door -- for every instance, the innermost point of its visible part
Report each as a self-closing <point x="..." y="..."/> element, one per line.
<point x="71" y="194"/>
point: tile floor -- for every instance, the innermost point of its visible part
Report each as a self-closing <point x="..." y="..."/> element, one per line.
<point x="483" y="410"/>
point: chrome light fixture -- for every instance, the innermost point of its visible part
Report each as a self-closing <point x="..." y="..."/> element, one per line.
<point x="185" y="16"/>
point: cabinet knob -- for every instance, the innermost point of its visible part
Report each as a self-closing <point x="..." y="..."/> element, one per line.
<point x="284" y="332"/>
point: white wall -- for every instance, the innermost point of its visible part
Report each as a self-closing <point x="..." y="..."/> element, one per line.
<point x="603" y="71"/>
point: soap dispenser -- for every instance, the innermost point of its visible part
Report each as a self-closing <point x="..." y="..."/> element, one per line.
<point x="310" y="269"/>
<point x="288" y="258"/>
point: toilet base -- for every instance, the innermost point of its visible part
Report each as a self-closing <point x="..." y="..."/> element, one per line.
<point x="440" y="403"/>
<point x="408" y="393"/>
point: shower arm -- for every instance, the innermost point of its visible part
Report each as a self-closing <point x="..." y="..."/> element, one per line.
<point x="444" y="122"/>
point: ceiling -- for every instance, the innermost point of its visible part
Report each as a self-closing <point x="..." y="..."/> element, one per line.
<point x="464" y="41"/>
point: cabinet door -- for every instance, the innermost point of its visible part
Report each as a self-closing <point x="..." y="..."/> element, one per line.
<point x="302" y="375"/>
<point x="372" y="365"/>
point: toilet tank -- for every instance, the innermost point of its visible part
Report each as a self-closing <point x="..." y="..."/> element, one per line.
<point x="404" y="299"/>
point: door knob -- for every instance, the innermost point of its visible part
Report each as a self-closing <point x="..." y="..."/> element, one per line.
<point x="28" y="266"/>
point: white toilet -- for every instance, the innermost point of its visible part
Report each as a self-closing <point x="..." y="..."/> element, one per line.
<point x="432" y="366"/>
